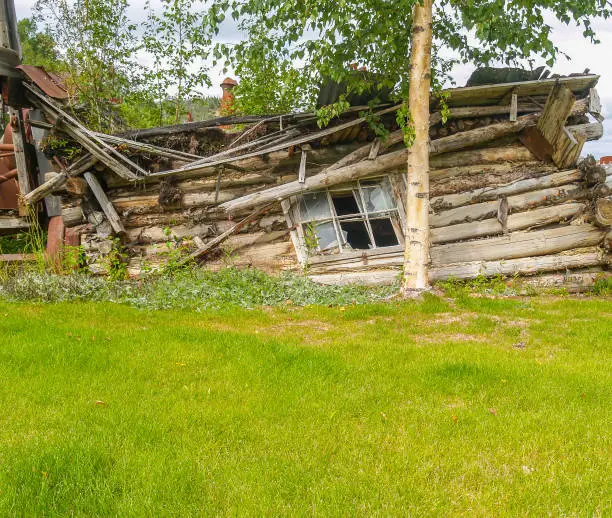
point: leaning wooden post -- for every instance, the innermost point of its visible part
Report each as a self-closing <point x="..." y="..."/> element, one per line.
<point x="23" y="177"/>
<point x="416" y="255"/>
<point x="105" y="204"/>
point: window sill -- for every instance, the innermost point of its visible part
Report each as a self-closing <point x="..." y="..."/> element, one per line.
<point x="355" y="254"/>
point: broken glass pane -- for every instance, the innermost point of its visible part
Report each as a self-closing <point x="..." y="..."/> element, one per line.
<point x="378" y="197"/>
<point x="315" y="206"/>
<point x="326" y="236"/>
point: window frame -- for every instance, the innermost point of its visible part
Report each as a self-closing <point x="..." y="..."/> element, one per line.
<point x="394" y="189"/>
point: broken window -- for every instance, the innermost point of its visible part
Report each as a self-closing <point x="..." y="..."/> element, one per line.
<point x="361" y="216"/>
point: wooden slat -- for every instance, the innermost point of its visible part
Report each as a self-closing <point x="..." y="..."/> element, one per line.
<point x="492" y="94"/>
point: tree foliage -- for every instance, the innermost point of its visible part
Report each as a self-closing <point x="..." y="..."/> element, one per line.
<point x="178" y="40"/>
<point x="316" y="39"/>
<point x="37" y="47"/>
<point x="97" y="42"/>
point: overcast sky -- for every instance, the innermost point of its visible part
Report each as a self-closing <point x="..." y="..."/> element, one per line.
<point x="568" y="38"/>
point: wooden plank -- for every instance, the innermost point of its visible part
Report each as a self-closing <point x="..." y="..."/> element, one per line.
<point x="296" y="239"/>
<point x="18" y="132"/>
<point x="514" y="107"/>
<point x="567" y="149"/>
<point x="302" y="170"/>
<point x="375" y="147"/>
<point x="13" y="258"/>
<point x="556" y="111"/>
<point x="492" y="94"/>
<point x="533" y="139"/>
<point x="9" y="224"/>
<point x="595" y="105"/>
<point x="105" y="204"/>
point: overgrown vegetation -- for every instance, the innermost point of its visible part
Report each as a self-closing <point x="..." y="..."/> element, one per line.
<point x="187" y="288"/>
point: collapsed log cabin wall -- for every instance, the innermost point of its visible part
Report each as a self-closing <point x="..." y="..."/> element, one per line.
<point x="496" y="208"/>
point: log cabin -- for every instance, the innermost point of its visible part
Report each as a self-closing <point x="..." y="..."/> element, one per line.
<point x="509" y="192"/>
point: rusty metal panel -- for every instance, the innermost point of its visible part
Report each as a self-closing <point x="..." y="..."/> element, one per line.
<point x="46" y="82"/>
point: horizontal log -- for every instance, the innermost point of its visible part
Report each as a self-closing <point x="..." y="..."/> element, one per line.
<point x="570" y="282"/>
<point x="527" y="266"/>
<point x="518" y="244"/>
<point x="588" y="132"/>
<point x="9" y="224"/>
<point x="487" y="176"/>
<point x="578" y="258"/>
<point x="440" y="203"/>
<point x="518" y="202"/>
<point x="229" y="179"/>
<point x="515" y="153"/>
<point x="522" y="220"/>
<point x="190" y="200"/>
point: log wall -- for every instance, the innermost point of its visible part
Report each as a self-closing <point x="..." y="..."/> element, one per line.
<point x="495" y="210"/>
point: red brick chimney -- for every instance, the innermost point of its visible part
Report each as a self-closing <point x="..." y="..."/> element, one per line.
<point x="227" y="100"/>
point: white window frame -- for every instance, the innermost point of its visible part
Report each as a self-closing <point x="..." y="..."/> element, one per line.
<point x="395" y="215"/>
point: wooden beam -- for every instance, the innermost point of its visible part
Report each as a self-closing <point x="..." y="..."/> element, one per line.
<point x="105" y="204"/>
<point x="105" y="153"/>
<point x="57" y="182"/>
<point x="18" y="132"/>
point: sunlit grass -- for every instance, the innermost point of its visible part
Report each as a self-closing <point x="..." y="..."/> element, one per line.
<point x="476" y="407"/>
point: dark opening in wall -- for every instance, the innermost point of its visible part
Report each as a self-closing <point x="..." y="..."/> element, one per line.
<point x="384" y="233"/>
<point x="356" y="234"/>
<point x="345" y="204"/>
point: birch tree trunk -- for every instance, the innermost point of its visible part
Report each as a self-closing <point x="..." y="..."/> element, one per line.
<point x="416" y="255"/>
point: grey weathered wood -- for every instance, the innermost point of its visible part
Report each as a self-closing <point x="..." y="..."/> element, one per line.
<point x="296" y="239"/>
<point x="514" y="107"/>
<point x="374" y="149"/>
<point x="556" y="111"/>
<point x="213" y="243"/>
<point x="10" y="224"/>
<point x="589" y="131"/>
<point x="595" y="105"/>
<point x="449" y="201"/>
<point x="519" y="244"/>
<point x="96" y="146"/>
<point x="517" y="202"/>
<point x="519" y="221"/>
<point x="105" y="204"/>
<point x="302" y="170"/>
<point x="385" y="163"/>
<point x="23" y="176"/>
<point x="57" y="182"/>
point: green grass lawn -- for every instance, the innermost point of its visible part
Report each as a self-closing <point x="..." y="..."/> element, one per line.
<point x="476" y="407"/>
